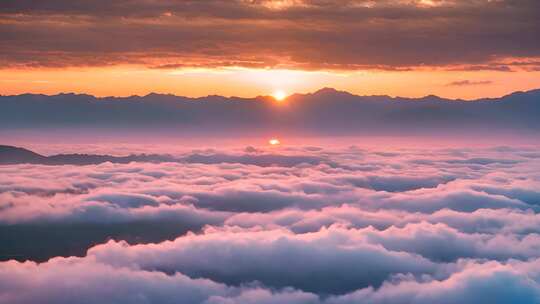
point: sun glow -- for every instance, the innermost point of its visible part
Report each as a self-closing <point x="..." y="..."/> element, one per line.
<point x="274" y="142"/>
<point x="279" y="95"/>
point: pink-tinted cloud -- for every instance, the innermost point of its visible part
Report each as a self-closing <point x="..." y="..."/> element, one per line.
<point x="382" y="225"/>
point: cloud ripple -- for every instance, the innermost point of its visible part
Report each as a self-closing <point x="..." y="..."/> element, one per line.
<point x="356" y="225"/>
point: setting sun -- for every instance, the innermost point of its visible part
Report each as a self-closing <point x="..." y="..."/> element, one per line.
<point x="279" y="95"/>
<point x="274" y="142"/>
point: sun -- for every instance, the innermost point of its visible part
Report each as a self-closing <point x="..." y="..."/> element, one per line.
<point x="279" y="95"/>
<point x="274" y="142"/>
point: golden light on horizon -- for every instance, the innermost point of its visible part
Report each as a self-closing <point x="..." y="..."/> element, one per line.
<point x="124" y="81"/>
<point x="274" y="142"/>
<point x="279" y="95"/>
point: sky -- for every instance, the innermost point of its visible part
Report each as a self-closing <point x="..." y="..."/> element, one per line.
<point x="452" y="48"/>
<point x="324" y="197"/>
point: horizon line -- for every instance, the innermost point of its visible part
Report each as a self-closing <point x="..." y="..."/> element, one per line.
<point x="321" y="90"/>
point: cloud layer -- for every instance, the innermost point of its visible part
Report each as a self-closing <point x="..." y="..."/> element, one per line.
<point x="392" y="226"/>
<point x="355" y="34"/>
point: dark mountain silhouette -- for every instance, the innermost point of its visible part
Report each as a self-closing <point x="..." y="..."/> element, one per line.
<point x="15" y="155"/>
<point x="326" y="111"/>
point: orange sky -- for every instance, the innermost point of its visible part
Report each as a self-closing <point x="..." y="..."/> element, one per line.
<point x="451" y="48"/>
<point x="128" y="80"/>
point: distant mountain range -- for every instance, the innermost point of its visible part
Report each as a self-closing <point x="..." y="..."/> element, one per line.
<point x="16" y="155"/>
<point x="10" y="155"/>
<point x="326" y="111"/>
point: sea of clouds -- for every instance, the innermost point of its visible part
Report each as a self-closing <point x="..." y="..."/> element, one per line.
<point x="276" y="225"/>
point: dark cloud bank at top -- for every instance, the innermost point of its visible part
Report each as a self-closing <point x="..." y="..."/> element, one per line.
<point x="325" y="112"/>
<point x="352" y="34"/>
<point x="336" y="225"/>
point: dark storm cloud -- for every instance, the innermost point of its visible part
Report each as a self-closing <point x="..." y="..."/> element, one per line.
<point x="298" y="34"/>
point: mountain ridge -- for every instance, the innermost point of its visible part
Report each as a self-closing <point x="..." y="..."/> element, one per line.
<point x="325" y="112"/>
<point x="11" y="155"/>
<point x="320" y="91"/>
